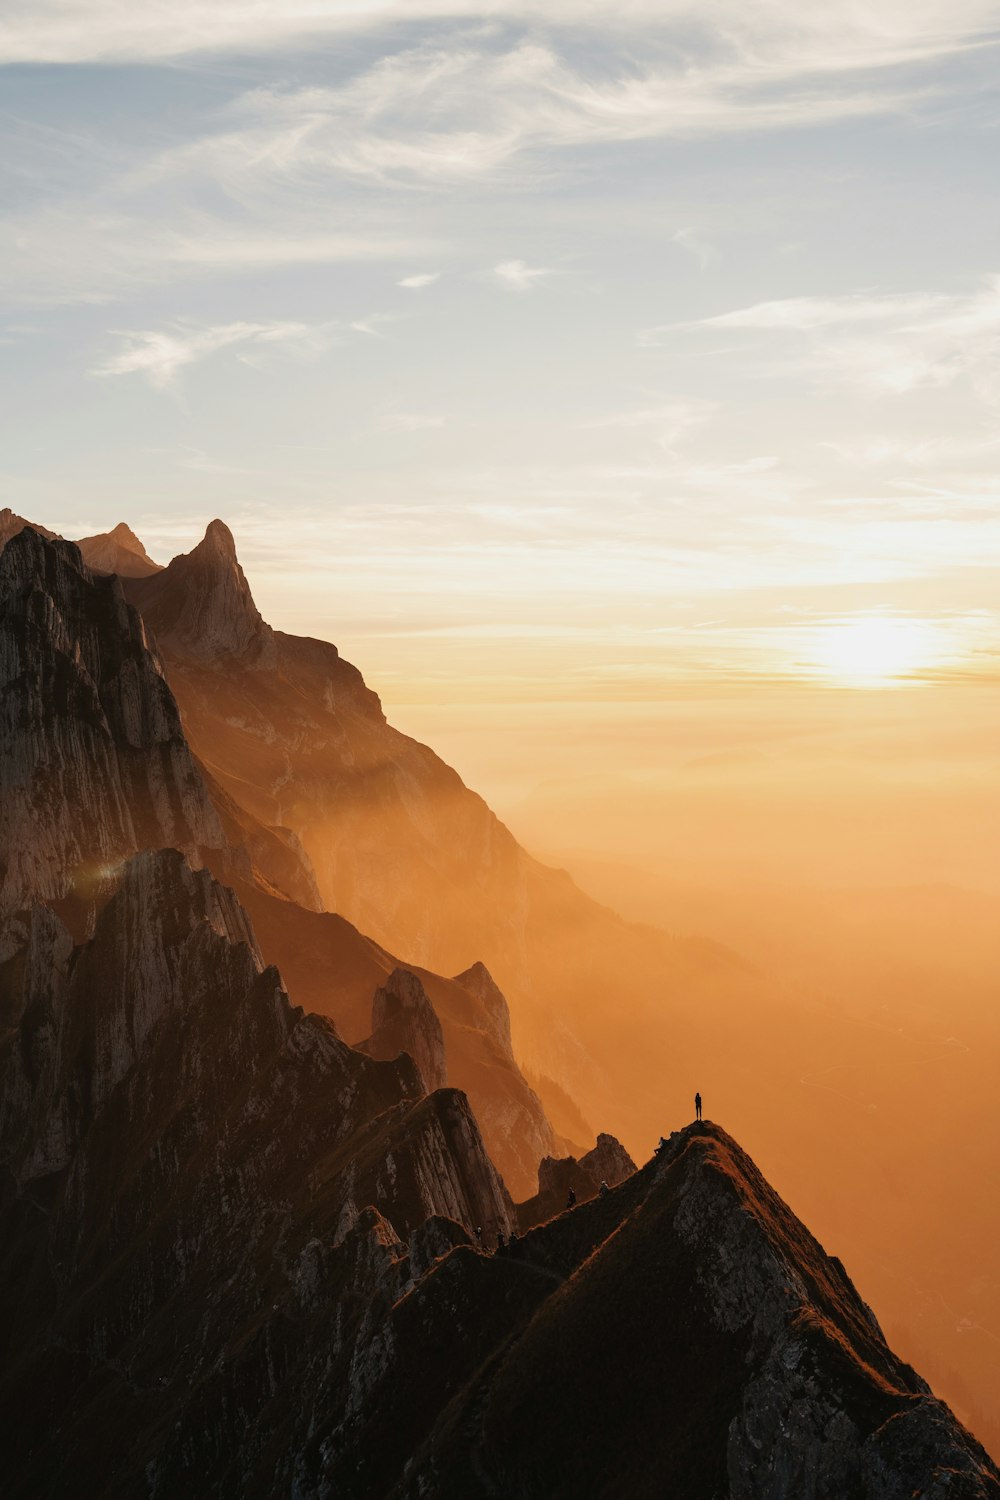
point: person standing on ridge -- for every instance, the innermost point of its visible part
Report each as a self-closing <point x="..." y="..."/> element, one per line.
<point x="697" y="1106"/>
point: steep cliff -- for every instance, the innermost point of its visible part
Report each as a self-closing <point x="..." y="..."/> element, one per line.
<point x="201" y="603"/>
<point x="608" y="1161"/>
<point x="187" y="1165"/>
<point x="404" y="1020"/>
<point x="94" y="764"/>
<point x="92" y="758"/>
<point x="330" y="967"/>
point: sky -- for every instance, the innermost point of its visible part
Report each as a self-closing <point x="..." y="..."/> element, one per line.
<point x="564" y="352"/>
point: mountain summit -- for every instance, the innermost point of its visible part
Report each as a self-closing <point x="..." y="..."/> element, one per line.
<point x="200" y="605"/>
<point x="117" y="551"/>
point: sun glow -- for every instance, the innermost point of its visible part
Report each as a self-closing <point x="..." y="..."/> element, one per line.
<point x="876" y="650"/>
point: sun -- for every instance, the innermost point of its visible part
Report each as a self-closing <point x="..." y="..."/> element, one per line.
<point x="875" y="650"/>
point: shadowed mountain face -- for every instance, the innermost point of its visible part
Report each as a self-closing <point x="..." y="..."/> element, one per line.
<point x="187" y="1167"/>
<point x="93" y="761"/>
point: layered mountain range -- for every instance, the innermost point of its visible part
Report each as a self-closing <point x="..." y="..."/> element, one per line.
<point x="249" y="1250"/>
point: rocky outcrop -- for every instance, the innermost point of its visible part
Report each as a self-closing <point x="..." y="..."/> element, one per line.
<point x="607" y="1165"/>
<point x="404" y="1020"/>
<point x="434" y="1239"/>
<point x="94" y="764"/>
<point x="480" y="982"/>
<point x="92" y="758"/>
<point x="329" y="966"/>
<point x="200" y="606"/>
<point x="117" y="551"/>
<point x="11" y="524"/>
<point x="608" y="1161"/>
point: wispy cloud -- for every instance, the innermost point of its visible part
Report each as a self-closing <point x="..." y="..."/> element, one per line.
<point x="880" y="344"/>
<point x="78" y="252"/>
<point x="455" y="109"/>
<point x="464" y="105"/>
<point x="159" y="355"/>
<point x="839" y="34"/>
<point x="704" y="253"/>
<point x="519" y="276"/>
<point x="422" y="279"/>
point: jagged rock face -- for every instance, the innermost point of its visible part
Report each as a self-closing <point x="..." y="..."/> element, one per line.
<point x="404" y="1020"/>
<point x="93" y="761"/>
<point x="201" y="604"/>
<point x="191" y="1169"/>
<point x="92" y="758"/>
<point x="435" y="1239"/>
<point x="118" y="551"/>
<point x="11" y="524"/>
<point x="558" y="1178"/>
<point x="608" y="1161"/>
<point x="331" y="967"/>
<point x="480" y="982"/>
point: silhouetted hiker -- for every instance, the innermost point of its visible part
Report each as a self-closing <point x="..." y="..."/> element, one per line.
<point x="662" y="1146"/>
<point x="571" y="1199"/>
<point x="479" y="1236"/>
<point x="697" y="1106"/>
<point x="603" y="1190"/>
<point x="501" y="1242"/>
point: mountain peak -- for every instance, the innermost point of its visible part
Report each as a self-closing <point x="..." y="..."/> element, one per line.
<point x="123" y="533"/>
<point x="117" y="551"/>
<point x="11" y="523"/>
<point x="201" y="606"/>
<point x="217" y="542"/>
